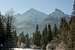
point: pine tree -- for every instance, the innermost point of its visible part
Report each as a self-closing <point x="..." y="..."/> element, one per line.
<point x="2" y="31"/>
<point x="64" y="28"/>
<point x="11" y="41"/>
<point x="55" y="31"/>
<point x="49" y="33"/>
<point x="22" y="37"/>
<point x="44" y="38"/>
<point x="27" y="40"/>
<point x="37" y="37"/>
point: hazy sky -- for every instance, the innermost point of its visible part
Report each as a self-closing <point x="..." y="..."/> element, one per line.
<point x="46" y="6"/>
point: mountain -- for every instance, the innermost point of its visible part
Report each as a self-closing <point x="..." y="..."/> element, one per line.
<point x="55" y="17"/>
<point x="27" y="21"/>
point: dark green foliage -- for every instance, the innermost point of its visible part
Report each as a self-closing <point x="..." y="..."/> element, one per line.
<point x="49" y="34"/>
<point x="2" y="31"/>
<point x="11" y="35"/>
<point x="70" y="21"/>
<point x="37" y="37"/>
<point x="7" y="33"/>
<point x="46" y="36"/>
<point x="64" y="30"/>
<point x="8" y="28"/>
<point x="27" y="40"/>
<point x="62" y="22"/>
<point x="22" y="37"/>
<point x="64" y="25"/>
<point x="55" y="31"/>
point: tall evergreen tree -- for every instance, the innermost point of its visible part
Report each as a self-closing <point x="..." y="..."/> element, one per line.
<point x="49" y="33"/>
<point x="55" y="31"/>
<point x="22" y="37"/>
<point x="37" y="37"/>
<point x="27" y="40"/>
<point x="64" y="28"/>
<point x="11" y="41"/>
<point x="44" y="37"/>
<point x="2" y="31"/>
<point x="10" y="28"/>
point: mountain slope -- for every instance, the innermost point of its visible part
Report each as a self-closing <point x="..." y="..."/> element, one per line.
<point x="55" y="17"/>
<point x="27" y="21"/>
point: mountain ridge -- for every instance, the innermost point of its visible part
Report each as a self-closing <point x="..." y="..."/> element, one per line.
<point x="31" y="17"/>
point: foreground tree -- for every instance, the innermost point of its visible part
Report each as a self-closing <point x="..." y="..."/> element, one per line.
<point x="37" y="37"/>
<point x="2" y="31"/>
<point x="22" y="37"/>
<point x="55" y="31"/>
<point x="49" y="33"/>
<point x="10" y="30"/>
<point x="64" y="32"/>
<point x="11" y="40"/>
<point x="46" y="36"/>
<point x="27" y="41"/>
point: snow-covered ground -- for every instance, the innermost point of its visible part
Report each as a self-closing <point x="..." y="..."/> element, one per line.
<point x="24" y="49"/>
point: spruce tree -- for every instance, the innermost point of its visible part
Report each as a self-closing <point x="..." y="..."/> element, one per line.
<point x="64" y="28"/>
<point x="11" y="41"/>
<point x="2" y="31"/>
<point x="55" y="31"/>
<point x="44" y="38"/>
<point x="49" y="33"/>
<point x="27" y="40"/>
<point x="37" y="37"/>
<point x="22" y="37"/>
